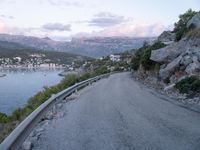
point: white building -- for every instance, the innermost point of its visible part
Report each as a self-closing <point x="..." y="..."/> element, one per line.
<point x="115" y="58"/>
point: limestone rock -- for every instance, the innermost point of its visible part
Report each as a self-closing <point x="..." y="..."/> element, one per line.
<point x="193" y="68"/>
<point x="167" y="71"/>
<point x="169" y="87"/>
<point x="27" y="145"/>
<point x="167" y="36"/>
<point x="194" y="23"/>
<point x="168" y="53"/>
<point x="186" y="60"/>
<point x="172" y="51"/>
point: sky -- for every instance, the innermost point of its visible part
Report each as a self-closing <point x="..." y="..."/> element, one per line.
<point x="65" y="19"/>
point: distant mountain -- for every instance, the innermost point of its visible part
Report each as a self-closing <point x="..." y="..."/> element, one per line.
<point x="93" y="47"/>
<point x="12" y="50"/>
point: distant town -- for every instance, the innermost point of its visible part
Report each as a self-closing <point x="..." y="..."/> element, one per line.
<point x="34" y="61"/>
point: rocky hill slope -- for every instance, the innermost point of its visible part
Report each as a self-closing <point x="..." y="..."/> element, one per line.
<point x="182" y="56"/>
<point x="172" y="63"/>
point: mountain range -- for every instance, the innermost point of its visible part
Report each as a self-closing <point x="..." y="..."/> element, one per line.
<point x="92" y="47"/>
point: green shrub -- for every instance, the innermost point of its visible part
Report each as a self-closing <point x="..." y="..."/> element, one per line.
<point x="189" y="85"/>
<point x="180" y="27"/>
<point x="3" y="118"/>
<point x="135" y="61"/>
<point x="101" y="70"/>
<point x="143" y="55"/>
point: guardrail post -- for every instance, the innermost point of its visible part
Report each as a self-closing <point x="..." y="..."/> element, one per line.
<point x="76" y="90"/>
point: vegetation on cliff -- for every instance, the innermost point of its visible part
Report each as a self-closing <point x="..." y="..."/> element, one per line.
<point x="142" y="56"/>
<point x="180" y="27"/>
<point x="189" y="85"/>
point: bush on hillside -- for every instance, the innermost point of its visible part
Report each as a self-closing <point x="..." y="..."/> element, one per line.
<point x="142" y="56"/>
<point x="180" y="27"/>
<point x="189" y="85"/>
<point x="3" y="118"/>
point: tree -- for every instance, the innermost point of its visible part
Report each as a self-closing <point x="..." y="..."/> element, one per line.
<point x="180" y="27"/>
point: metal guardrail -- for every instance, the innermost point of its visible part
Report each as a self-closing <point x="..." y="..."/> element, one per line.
<point x="20" y="133"/>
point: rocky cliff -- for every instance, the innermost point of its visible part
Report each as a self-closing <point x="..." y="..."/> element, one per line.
<point x="175" y="68"/>
<point x="182" y="56"/>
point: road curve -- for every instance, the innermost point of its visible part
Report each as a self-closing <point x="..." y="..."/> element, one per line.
<point x="118" y="114"/>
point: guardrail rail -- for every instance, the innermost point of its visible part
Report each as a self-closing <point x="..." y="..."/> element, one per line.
<point x="20" y="133"/>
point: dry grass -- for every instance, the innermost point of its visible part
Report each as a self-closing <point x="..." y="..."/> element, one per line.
<point x="194" y="33"/>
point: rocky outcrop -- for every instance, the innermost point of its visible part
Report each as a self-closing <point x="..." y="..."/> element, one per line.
<point x="169" y="53"/>
<point x="167" y="37"/>
<point x="170" y="68"/>
<point x="179" y="56"/>
<point x="194" y="23"/>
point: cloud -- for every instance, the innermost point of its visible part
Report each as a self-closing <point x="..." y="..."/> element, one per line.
<point x="6" y="17"/>
<point x="106" y="19"/>
<point x="129" y="29"/>
<point x="136" y="30"/>
<point x="57" y="27"/>
<point x="63" y="3"/>
<point x="2" y="27"/>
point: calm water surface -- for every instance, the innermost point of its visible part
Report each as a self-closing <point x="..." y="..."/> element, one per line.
<point x="20" y="84"/>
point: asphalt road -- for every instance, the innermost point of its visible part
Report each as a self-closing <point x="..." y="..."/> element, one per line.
<point x="118" y="114"/>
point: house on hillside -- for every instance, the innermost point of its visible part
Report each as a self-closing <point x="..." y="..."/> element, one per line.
<point x="115" y="58"/>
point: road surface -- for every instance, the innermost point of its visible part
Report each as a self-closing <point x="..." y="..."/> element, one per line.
<point x="118" y="114"/>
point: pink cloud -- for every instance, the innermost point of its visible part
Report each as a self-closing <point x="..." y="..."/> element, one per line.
<point x="129" y="29"/>
<point x="2" y="27"/>
<point x="135" y="30"/>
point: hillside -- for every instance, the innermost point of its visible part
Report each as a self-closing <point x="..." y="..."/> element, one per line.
<point x="14" y="51"/>
<point x="92" y="47"/>
<point x="172" y="63"/>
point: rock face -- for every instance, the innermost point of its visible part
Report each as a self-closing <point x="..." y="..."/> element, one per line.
<point x="169" y="69"/>
<point x="179" y="56"/>
<point x="194" y="23"/>
<point x="167" y="37"/>
<point x="169" y="53"/>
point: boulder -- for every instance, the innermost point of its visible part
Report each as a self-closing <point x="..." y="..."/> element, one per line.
<point x="26" y="145"/>
<point x="169" y="87"/>
<point x="193" y="68"/>
<point x="186" y="60"/>
<point x="168" y="53"/>
<point x="194" y="23"/>
<point x="172" y="51"/>
<point x="167" y="37"/>
<point x="170" y="68"/>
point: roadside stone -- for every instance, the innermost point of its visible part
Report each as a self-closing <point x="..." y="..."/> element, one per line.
<point x="39" y="129"/>
<point x="32" y="133"/>
<point x="59" y="114"/>
<point x="27" y="145"/>
<point x="169" y="87"/>
<point x="48" y="116"/>
<point x="59" y="105"/>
